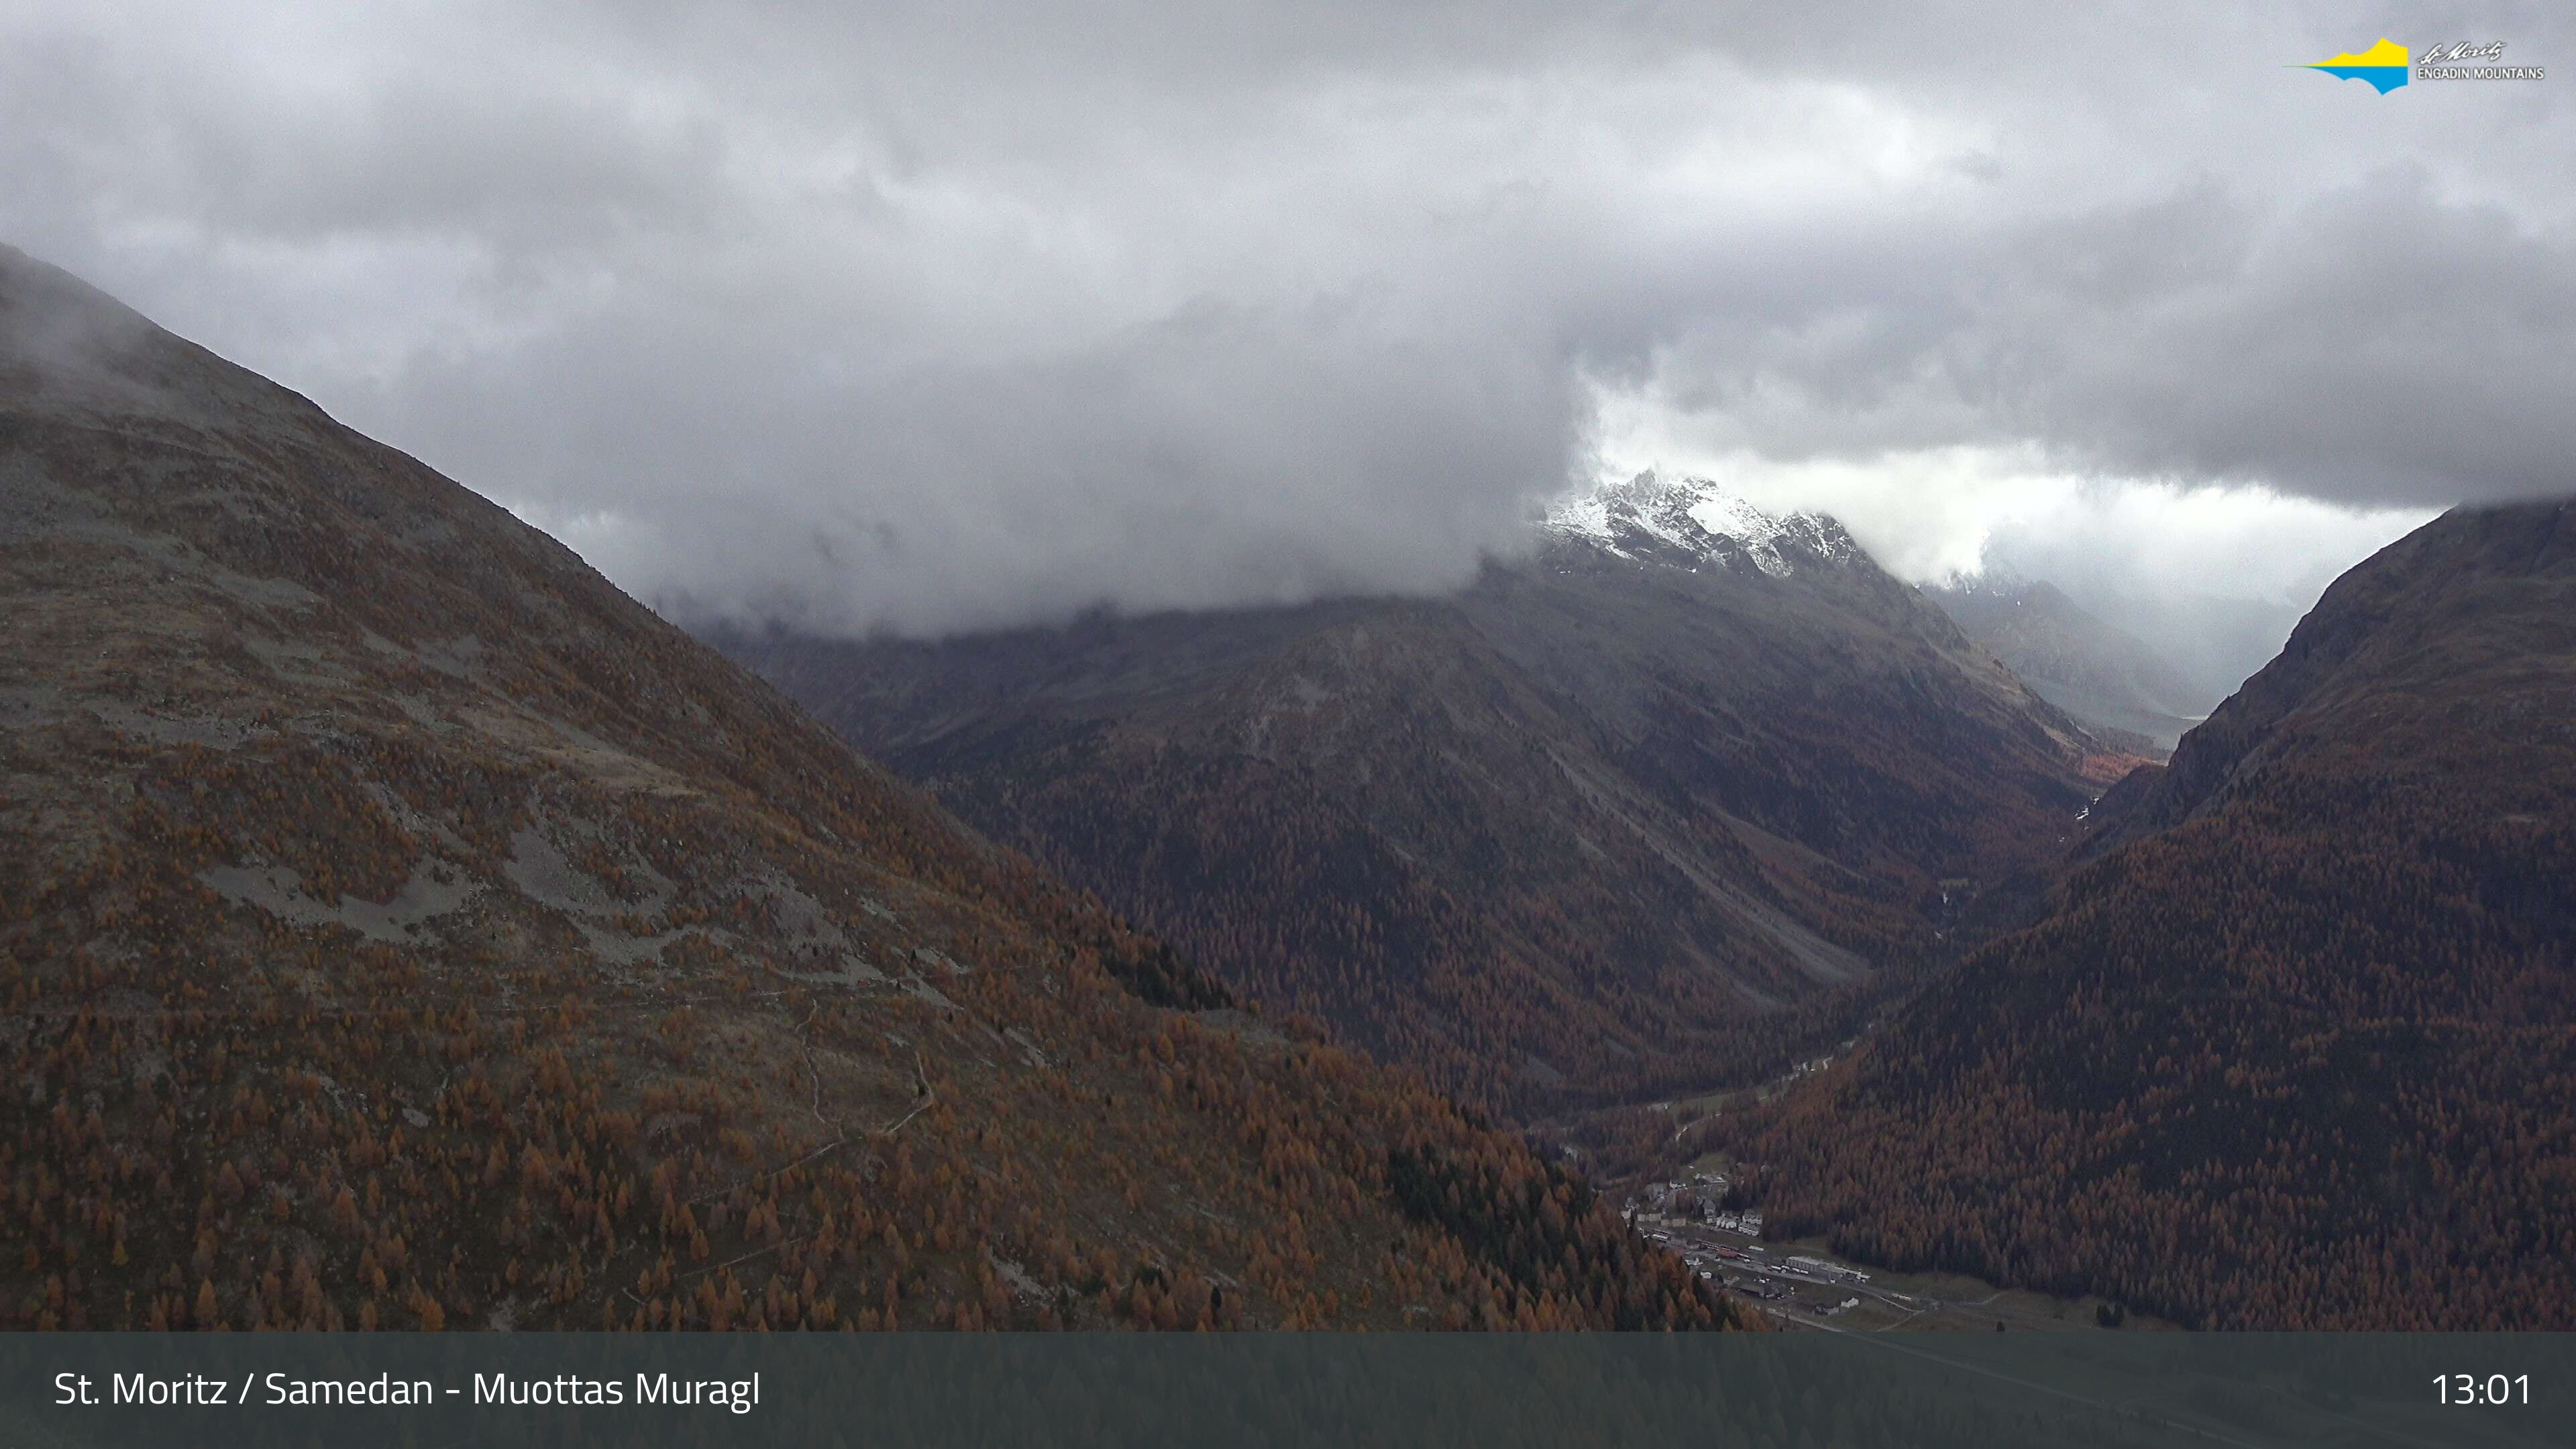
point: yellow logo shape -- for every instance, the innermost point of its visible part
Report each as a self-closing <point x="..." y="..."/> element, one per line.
<point x="2384" y="65"/>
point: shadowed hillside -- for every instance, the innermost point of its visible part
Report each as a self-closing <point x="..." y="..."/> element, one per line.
<point x="1688" y="792"/>
<point x="400" y="927"/>
<point x="2299" y="1049"/>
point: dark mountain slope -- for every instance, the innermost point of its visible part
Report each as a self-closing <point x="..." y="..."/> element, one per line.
<point x="399" y="926"/>
<point x="1653" y="809"/>
<point x="2300" y="1049"/>
<point x="2101" y="674"/>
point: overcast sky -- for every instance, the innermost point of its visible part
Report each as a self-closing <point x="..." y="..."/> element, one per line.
<point x="997" y="311"/>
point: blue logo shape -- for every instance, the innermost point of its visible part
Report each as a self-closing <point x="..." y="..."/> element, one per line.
<point x="2385" y="65"/>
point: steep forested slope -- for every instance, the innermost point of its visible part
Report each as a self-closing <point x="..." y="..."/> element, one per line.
<point x="400" y="927"/>
<point x="2299" y="1047"/>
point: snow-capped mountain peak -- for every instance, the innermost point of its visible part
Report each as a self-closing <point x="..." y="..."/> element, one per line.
<point x="1701" y="521"/>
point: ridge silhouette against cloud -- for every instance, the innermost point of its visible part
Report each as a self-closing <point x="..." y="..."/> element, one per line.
<point x="971" y="315"/>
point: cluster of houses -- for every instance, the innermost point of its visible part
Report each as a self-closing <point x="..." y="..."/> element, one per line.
<point x="1663" y="1206"/>
<point x="1666" y="1213"/>
<point x="1697" y="1200"/>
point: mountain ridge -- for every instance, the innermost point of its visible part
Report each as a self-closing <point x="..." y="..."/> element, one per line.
<point x="2101" y="674"/>
<point x="404" y="928"/>
<point x="2295" y="1047"/>
<point x="1654" y="805"/>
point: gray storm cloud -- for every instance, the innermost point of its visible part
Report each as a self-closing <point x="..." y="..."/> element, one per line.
<point x="861" y="319"/>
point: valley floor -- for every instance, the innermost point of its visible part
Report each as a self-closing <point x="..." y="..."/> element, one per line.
<point x="1801" y="1285"/>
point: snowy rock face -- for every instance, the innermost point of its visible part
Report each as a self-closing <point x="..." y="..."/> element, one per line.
<point x="1692" y="521"/>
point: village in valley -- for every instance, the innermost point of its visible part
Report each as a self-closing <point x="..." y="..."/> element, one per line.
<point x="1695" y="1216"/>
<point x="1722" y="1245"/>
<point x="1804" y="1285"/>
